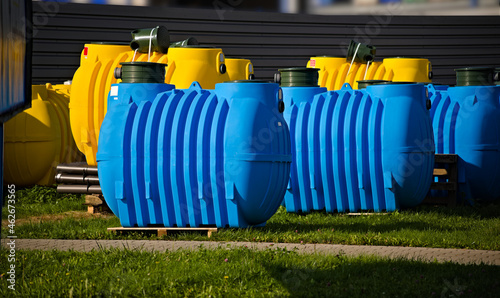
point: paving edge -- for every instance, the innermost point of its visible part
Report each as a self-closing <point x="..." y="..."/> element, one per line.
<point x="424" y="254"/>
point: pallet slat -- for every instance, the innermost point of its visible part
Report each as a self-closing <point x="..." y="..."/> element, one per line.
<point x="164" y="231"/>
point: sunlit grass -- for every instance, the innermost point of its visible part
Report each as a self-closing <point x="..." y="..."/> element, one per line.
<point x="239" y="272"/>
<point x="475" y="227"/>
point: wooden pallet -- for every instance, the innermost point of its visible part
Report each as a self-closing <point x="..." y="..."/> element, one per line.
<point x="446" y="168"/>
<point x="163" y="231"/>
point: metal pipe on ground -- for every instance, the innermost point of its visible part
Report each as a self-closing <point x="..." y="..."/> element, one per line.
<point x="76" y="168"/>
<point x="83" y="189"/>
<point x="77" y="179"/>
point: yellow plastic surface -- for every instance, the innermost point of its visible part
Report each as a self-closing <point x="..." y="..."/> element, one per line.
<point x="334" y="71"/>
<point x="92" y="82"/>
<point x="39" y="138"/>
<point x="239" y="69"/>
<point x="186" y="65"/>
<point x="407" y="70"/>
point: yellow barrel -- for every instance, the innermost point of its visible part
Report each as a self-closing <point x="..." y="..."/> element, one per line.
<point x="92" y="82"/>
<point x="335" y="71"/>
<point x="239" y="69"/>
<point x="39" y="138"/>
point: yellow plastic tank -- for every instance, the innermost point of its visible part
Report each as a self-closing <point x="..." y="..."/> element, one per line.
<point x="189" y="64"/>
<point x="92" y="82"/>
<point x="239" y="69"/>
<point x="39" y="138"/>
<point x="335" y="71"/>
<point x="402" y="69"/>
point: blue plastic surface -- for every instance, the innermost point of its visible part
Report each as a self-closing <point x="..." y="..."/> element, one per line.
<point x="194" y="157"/>
<point x="354" y="150"/>
<point x="466" y="122"/>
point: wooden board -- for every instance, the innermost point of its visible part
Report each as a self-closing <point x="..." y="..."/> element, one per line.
<point x="440" y="172"/>
<point x="163" y="231"/>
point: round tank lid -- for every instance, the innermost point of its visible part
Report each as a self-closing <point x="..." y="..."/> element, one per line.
<point x="142" y="63"/>
<point x="249" y="81"/>
<point x="475" y="68"/>
<point x="141" y="72"/>
<point x="373" y="81"/>
<point x="306" y="69"/>
<point x="475" y="76"/>
<point x="298" y="77"/>
<point x="365" y="83"/>
<point x="395" y="83"/>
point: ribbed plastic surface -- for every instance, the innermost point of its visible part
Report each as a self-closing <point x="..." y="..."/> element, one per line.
<point x="39" y="138"/>
<point x="466" y="121"/>
<point x="336" y="71"/>
<point x="194" y="157"/>
<point x="353" y="150"/>
<point x="93" y="79"/>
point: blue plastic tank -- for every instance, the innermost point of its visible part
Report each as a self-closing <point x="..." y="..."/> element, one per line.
<point x="194" y="157"/>
<point x="466" y="122"/>
<point x="357" y="150"/>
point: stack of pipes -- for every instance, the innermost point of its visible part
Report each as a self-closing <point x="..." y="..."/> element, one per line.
<point x="77" y="178"/>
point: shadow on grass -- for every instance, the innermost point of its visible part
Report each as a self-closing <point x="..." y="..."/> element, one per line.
<point x="358" y="227"/>
<point x="366" y="277"/>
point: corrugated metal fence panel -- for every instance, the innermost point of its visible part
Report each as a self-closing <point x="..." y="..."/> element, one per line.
<point x="15" y="57"/>
<point x="270" y="40"/>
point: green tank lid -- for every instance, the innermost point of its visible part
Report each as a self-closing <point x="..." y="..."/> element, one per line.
<point x="363" y="54"/>
<point x="365" y="83"/>
<point x="158" y="37"/>
<point x="395" y="83"/>
<point x="249" y="81"/>
<point x="475" y="76"/>
<point x="191" y="41"/>
<point x="141" y="72"/>
<point x="298" y="77"/>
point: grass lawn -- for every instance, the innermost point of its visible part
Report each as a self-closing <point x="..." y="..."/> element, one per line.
<point x="239" y="272"/>
<point x="475" y="227"/>
<point x="41" y="200"/>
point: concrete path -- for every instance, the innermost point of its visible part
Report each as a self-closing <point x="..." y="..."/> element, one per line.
<point x="461" y="256"/>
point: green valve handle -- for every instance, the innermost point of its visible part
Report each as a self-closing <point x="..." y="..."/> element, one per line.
<point x="191" y="41"/>
<point x="157" y="38"/>
<point x="475" y="76"/>
<point x="360" y="52"/>
<point x="297" y="77"/>
<point x="141" y="72"/>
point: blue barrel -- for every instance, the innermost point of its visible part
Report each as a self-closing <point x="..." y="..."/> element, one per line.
<point x="194" y="157"/>
<point x="466" y="122"/>
<point x="354" y="150"/>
